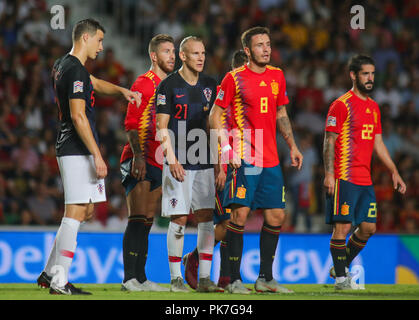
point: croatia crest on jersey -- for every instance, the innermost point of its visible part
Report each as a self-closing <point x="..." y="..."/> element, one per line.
<point x="207" y="94"/>
<point x="77" y="86"/>
<point x="173" y="202"/>
<point x="100" y="188"/>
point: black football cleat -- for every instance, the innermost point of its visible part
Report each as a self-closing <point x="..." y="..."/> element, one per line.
<point x="68" y="289"/>
<point x="44" y="280"/>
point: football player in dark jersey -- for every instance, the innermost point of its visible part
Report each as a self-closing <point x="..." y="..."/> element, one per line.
<point x="82" y="167"/>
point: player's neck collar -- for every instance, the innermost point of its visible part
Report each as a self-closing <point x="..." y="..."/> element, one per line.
<point x="188" y="81"/>
<point x="256" y="72"/>
<point x="358" y="96"/>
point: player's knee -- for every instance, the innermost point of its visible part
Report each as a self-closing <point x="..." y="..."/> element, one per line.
<point x="178" y="230"/>
<point x="341" y="230"/>
<point x="204" y="216"/>
<point x="274" y="217"/>
<point x="368" y="231"/>
<point x="89" y="215"/>
<point x="239" y="217"/>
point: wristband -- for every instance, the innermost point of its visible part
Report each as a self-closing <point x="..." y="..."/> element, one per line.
<point x="225" y="148"/>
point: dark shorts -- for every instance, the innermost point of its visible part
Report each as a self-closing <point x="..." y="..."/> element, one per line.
<point x="220" y="213"/>
<point x="351" y="203"/>
<point x="153" y="174"/>
<point x="255" y="187"/>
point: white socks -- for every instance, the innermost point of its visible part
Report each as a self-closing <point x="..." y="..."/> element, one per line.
<point x="63" y="250"/>
<point x="175" y="239"/>
<point x="205" y="247"/>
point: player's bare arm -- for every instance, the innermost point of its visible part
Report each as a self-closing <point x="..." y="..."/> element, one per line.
<point x="329" y="160"/>
<point x="284" y="126"/>
<point x="219" y="174"/>
<point x="226" y="152"/>
<point x="382" y="152"/>
<point x="138" y="167"/>
<point x="107" y="88"/>
<point x="82" y="126"/>
<point x="176" y="169"/>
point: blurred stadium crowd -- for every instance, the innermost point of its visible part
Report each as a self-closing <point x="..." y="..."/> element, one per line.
<point x="311" y="42"/>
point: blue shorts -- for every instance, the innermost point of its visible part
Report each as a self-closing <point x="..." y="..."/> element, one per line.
<point x="255" y="187"/>
<point x="351" y="203"/>
<point x="153" y="174"/>
<point x="220" y="213"/>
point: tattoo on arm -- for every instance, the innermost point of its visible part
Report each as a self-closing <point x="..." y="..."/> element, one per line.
<point x="329" y="151"/>
<point x="134" y="142"/>
<point x="285" y="129"/>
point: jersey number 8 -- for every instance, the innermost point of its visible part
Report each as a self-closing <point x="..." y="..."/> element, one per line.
<point x="264" y="105"/>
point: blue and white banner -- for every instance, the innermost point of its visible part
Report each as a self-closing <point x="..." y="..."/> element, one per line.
<point x="301" y="258"/>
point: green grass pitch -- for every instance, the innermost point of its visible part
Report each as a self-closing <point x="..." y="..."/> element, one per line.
<point x="19" y="291"/>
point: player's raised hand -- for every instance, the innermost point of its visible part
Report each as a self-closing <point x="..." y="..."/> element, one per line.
<point x="329" y="183"/>
<point x="101" y="168"/>
<point x="398" y="183"/>
<point x="296" y="158"/>
<point x="132" y="96"/>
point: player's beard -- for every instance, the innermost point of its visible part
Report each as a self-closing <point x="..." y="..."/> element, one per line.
<point x="165" y="67"/>
<point x="362" y="87"/>
<point x="256" y="62"/>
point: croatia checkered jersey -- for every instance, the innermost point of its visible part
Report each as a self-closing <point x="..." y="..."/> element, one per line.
<point x="143" y="119"/>
<point x="356" y="121"/>
<point x="71" y="80"/>
<point x="254" y="99"/>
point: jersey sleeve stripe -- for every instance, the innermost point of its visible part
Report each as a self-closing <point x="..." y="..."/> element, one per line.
<point x="239" y="112"/>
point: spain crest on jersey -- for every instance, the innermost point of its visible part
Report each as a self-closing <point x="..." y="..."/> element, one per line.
<point x="275" y="88"/>
<point x="207" y="94"/>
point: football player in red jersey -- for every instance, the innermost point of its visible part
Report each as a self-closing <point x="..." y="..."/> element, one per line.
<point x="141" y="166"/>
<point x="257" y="95"/>
<point x="353" y="132"/>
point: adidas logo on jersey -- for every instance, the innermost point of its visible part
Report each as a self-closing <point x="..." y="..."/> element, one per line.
<point x="368" y="110"/>
<point x="262" y="84"/>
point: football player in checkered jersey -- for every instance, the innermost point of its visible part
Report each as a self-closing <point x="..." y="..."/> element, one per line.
<point x="184" y="100"/>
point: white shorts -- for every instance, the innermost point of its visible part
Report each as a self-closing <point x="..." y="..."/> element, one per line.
<point x="196" y="192"/>
<point x="80" y="182"/>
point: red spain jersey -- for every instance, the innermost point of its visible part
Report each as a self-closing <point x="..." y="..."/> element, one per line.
<point x="356" y="122"/>
<point x="253" y="99"/>
<point x="143" y="119"/>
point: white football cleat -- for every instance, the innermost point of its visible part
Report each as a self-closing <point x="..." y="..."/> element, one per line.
<point x="131" y="285"/>
<point x="152" y="287"/>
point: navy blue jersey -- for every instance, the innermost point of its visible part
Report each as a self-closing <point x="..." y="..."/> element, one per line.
<point x="188" y="107"/>
<point x="71" y="80"/>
